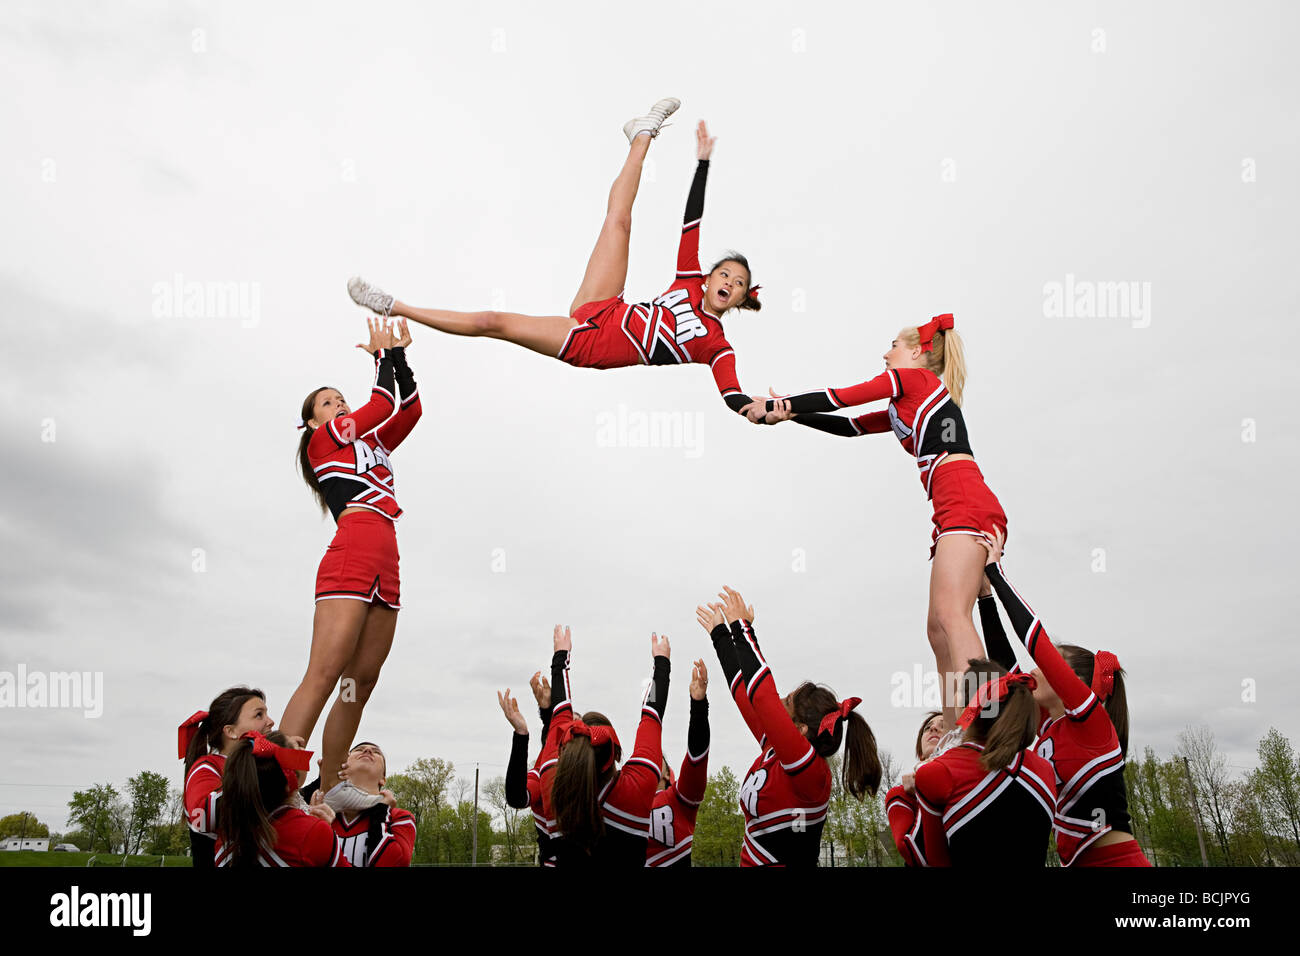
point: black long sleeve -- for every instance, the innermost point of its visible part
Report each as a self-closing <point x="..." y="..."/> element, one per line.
<point x="517" y="773"/>
<point x="1022" y="618"/>
<point x="695" y="198"/>
<point x="726" y="652"/>
<point x="832" y="424"/>
<point x="697" y="735"/>
<point x="737" y="400"/>
<point x="545" y="714"/>
<point x="995" y="636"/>
<point x="657" y="696"/>
<point x="752" y="665"/>
<point x="560" y="681"/>
<point x="402" y="372"/>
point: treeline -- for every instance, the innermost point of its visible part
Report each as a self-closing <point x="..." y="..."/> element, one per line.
<point x="1245" y="819"/>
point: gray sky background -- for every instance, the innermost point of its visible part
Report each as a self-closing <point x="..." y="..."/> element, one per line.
<point x="878" y="164"/>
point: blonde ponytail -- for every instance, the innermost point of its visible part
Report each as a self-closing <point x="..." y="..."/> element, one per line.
<point x="946" y="359"/>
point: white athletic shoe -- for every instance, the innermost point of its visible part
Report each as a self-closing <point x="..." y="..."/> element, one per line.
<point x="345" y="796"/>
<point x="372" y="297"/>
<point x="651" y="122"/>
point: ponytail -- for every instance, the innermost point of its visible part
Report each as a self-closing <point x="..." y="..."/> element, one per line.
<point x="1012" y="724"/>
<point x="861" y="770"/>
<point x="251" y="787"/>
<point x="946" y="359"/>
<point x="304" y="460"/>
<point x="577" y="783"/>
<point x="1083" y="663"/>
<point x="224" y="710"/>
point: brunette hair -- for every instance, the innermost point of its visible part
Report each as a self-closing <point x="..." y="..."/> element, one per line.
<point x="1004" y="728"/>
<point x="925" y="725"/>
<point x="224" y="710"/>
<point x="861" y="771"/>
<point x="304" y="462"/>
<point x="251" y="787"/>
<point x="578" y="781"/>
<point x="1083" y="663"/>
<point x="750" y="301"/>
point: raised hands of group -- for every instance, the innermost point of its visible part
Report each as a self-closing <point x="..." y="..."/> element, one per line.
<point x="510" y="707"/>
<point x="386" y="334"/>
<point x="756" y="411"/>
<point x="659" y="646"/>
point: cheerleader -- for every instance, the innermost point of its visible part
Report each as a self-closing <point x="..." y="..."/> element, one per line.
<point x="989" y="799"/>
<point x="206" y="739"/>
<point x="925" y="372"/>
<point x="1083" y="733"/>
<point x="531" y="788"/>
<point x="680" y="327"/>
<point x="602" y="812"/>
<point x="900" y="802"/>
<point x="788" y="788"/>
<point x="344" y="458"/>
<point x="672" y="815"/>
<point x="383" y="834"/>
<point x="257" y="825"/>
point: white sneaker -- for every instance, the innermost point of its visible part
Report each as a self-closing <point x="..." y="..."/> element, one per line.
<point x="651" y="122"/>
<point x="372" y="297"/>
<point x="345" y="796"/>
<point x="949" y="740"/>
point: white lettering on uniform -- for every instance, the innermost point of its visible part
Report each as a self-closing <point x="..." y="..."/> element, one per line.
<point x="368" y="458"/>
<point x="750" y="788"/>
<point x="661" y="826"/>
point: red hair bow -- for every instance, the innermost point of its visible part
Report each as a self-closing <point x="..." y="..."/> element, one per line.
<point x="290" y="760"/>
<point x="598" y="736"/>
<point x="994" y="690"/>
<point x="188" y="729"/>
<point x="928" y="331"/>
<point x="753" y="293"/>
<point x="1104" y="666"/>
<point x="832" y="720"/>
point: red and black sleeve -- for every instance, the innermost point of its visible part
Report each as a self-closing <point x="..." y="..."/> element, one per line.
<point x="394" y="431"/>
<point x="688" y="252"/>
<point x="792" y="748"/>
<point x="887" y="384"/>
<point x="901" y="809"/>
<point x="694" y="775"/>
<point x="517" y="772"/>
<point x="726" y="651"/>
<point x="348" y="428"/>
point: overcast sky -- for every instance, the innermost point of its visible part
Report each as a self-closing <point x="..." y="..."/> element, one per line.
<point x="878" y="164"/>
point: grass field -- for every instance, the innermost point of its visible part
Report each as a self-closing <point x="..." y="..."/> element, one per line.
<point x="37" y="858"/>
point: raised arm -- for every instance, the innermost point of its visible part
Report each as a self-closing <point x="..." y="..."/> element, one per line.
<point x="711" y="619"/>
<point x="348" y="428"/>
<point x="394" y="431"/>
<point x="642" y="768"/>
<point x="517" y="768"/>
<point x="694" y="775"/>
<point x="995" y="635"/>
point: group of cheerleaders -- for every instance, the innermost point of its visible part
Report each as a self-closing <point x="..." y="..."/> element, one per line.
<point x="1012" y="758"/>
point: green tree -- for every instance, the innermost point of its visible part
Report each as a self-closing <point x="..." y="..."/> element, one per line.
<point x="422" y="790"/>
<point x="23" y="825"/>
<point x="146" y="802"/>
<point x="516" y="834"/>
<point x="719" y="825"/>
<point x="1277" y="784"/>
<point x="93" y="811"/>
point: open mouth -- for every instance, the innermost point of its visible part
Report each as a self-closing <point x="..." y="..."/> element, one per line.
<point x="723" y="295"/>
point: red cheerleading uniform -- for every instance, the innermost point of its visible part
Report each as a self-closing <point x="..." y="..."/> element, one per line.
<point x="674" y="329"/>
<point x="350" y="457"/>
<point x="787" y="790"/>
<point x="202" y="790"/>
<point x="392" y="832"/>
<point x="905" y="823"/>
<point x="1081" y="745"/>
<point x="626" y="798"/>
<point x="672" y="815"/>
<point x="976" y="817"/>
<point x="930" y="427"/>
<point x="300" y="840"/>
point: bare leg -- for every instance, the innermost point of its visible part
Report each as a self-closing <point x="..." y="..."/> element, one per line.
<point x="335" y="631"/>
<point x="607" y="268"/>
<point x="360" y="675"/>
<point x="955" y="576"/>
<point x="541" y="333"/>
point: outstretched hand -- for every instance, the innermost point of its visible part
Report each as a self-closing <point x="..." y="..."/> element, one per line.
<point x="699" y="681"/>
<point x="703" y="142"/>
<point x="510" y="707"/>
<point x="710" y="616"/>
<point x="562" y="639"/>
<point x="541" y="690"/>
<point x="734" y="607"/>
<point x="319" y="808"/>
<point x="659" y="646"/>
<point x="381" y="335"/>
<point x="401" y="334"/>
